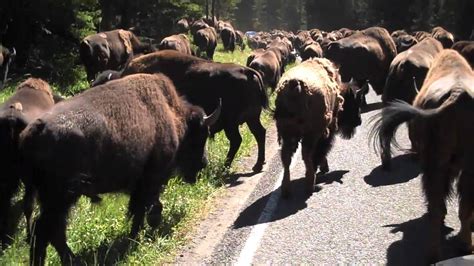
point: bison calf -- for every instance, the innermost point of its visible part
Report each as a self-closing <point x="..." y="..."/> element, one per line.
<point x="32" y="98"/>
<point x="311" y="106"/>
<point x="128" y="135"/>
<point x="441" y="123"/>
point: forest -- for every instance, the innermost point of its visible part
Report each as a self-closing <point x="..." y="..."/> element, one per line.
<point x="46" y="33"/>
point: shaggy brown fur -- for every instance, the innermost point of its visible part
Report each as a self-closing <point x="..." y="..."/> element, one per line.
<point x="408" y="71"/>
<point x="466" y="49"/>
<point x="32" y="98"/>
<point x="179" y="42"/>
<point x="441" y="124"/>
<point x="204" y="83"/>
<point x="421" y="35"/>
<point x="310" y="100"/>
<point x="128" y="135"/>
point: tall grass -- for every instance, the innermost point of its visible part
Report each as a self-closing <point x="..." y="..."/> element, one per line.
<point x="98" y="233"/>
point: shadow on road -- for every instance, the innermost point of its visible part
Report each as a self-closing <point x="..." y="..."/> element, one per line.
<point x="286" y="207"/>
<point x="412" y="248"/>
<point x="371" y="107"/>
<point x="404" y="169"/>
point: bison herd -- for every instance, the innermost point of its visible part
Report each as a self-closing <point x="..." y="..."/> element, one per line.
<point x="150" y="111"/>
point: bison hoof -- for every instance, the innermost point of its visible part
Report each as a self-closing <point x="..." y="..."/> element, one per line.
<point x="324" y="169"/>
<point x="153" y="218"/>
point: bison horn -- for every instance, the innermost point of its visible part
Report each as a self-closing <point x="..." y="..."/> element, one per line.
<point x="212" y="118"/>
<point x="415" y="86"/>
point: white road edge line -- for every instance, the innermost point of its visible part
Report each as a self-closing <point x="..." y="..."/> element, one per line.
<point x="253" y="241"/>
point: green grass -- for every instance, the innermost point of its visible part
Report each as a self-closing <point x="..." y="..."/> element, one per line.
<point x="96" y="232"/>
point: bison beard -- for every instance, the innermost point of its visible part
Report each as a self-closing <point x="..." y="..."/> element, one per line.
<point x="441" y="125"/>
<point x="128" y="135"/>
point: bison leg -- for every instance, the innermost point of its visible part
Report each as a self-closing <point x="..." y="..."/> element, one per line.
<point x="322" y="149"/>
<point x="232" y="133"/>
<point x="307" y="151"/>
<point x="436" y="186"/>
<point x="6" y="194"/>
<point x="28" y="202"/>
<point x="258" y="131"/>
<point x="466" y="208"/>
<point x="288" y="148"/>
<point x="51" y="227"/>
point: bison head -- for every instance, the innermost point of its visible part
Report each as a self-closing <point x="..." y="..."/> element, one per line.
<point x="192" y="156"/>
<point x="349" y="118"/>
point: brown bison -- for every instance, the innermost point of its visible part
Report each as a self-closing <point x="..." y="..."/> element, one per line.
<point x="365" y="55"/>
<point x="240" y="39"/>
<point x="408" y="71"/>
<point x="109" y="50"/>
<point x="268" y="65"/>
<point x="129" y="135"/>
<point x="311" y="49"/>
<point x="311" y="106"/>
<point x="445" y="37"/>
<point x="179" y="42"/>
<point x="32" y="98"/>
<point x="421" y="35"/>
<point x="182" y="26"/>
<point x="198" y="25"/>
<point x="204" y="83"/>
<point x="466" y="49"/>
<point x="6" y="58"/>
<point x="228" y="38"/>
<point x="403" y="41"/>
<point x="206" y="40"/>
<point x="441" y="123"/>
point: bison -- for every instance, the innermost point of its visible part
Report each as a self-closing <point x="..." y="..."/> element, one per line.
<point x="409" y="69"/>
<point x="206" y="40"/>
<point x="445" y="37"/>
<point x="240" y="39"/>
<point x="228" y="38"/>
<point x="269" y="66"/>
<point x="31" y="99"/>
<point x="403" y="41"/>
<point x="179" y="42"/>
<point x="311" y="49"/>
<point x="365" y="55"/>
<point x="466" y="49"/>
<point x="6" y="58"/>
<point x="128" y="135"/>
<point x="204" y="83"/>
<point x="182" y="26"/>
<point x="311" y="106"/>
<point x="441" y="124"/>
<point x="109" y="50"/>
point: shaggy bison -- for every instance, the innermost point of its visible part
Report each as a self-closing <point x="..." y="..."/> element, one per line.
<point x="311" y="106"/>
<point x="445" y="37"/>
<point x="182" y="26"/>
<point x="179" y="42"/>
<point x="109" y="50"/>
<point x="32" y="98"/>
<point x="409" y="69"/>
<point x="441" y="124"/>
<point x="268" y="65"/>
<point x="204" y="83"/>
<point x="206" y="40"/>
<point x="128" y="135"/>
<point x="6" y="58"/>
<point x="365" y="55"/>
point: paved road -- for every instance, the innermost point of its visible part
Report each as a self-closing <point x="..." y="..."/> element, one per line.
<point x="360" y="214"/>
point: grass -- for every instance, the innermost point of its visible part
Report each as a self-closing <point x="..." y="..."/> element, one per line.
<point x="96" y="233"/>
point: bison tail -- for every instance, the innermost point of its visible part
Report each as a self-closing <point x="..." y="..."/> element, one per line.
<point x="262" y="90"/>
<point x="386" y="123"/>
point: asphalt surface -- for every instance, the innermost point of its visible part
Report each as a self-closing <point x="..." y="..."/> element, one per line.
<point x="358" y="213"/>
